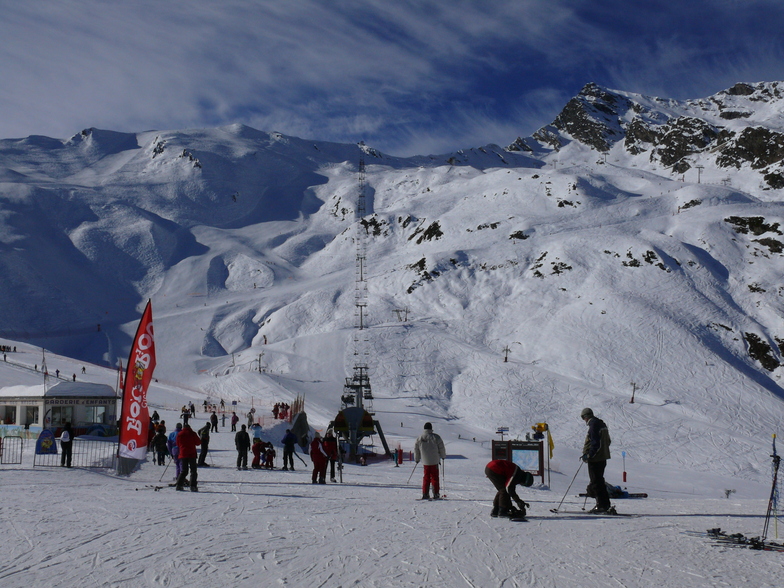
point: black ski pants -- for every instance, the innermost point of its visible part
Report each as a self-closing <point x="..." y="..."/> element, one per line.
<point x="597" y="487"/>
<point x="502" y="498"/>
<point x="288" y="458"/>
<point x="188" y="466"/>
<point x="66" y="447"/>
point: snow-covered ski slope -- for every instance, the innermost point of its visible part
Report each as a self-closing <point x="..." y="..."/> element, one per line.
<point x="82" y="527"/>
<point x="600" y="270"/>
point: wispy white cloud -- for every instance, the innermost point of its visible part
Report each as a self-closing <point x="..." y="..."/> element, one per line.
<point x="407" y="76"/>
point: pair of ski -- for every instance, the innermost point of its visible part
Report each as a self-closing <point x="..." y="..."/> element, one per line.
<point x="150" y="487"/>
<point x="723" y="539"/>
<point x="588" y="513"/>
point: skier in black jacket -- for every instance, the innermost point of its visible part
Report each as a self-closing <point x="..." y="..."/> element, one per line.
<point x="596" y="452"/>
<point x="204" y="435"/>
<point x="289" y="441"/>
<point x="242" y="443"/>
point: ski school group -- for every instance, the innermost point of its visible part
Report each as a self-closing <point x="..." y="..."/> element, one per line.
<point x="505" y="476"/>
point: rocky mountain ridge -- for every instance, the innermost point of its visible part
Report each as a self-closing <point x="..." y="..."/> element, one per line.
<point x="737" y="127"/>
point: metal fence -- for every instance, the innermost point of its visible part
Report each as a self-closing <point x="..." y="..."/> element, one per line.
<point x="10" y="450"/>
<point x="86" y="453"/>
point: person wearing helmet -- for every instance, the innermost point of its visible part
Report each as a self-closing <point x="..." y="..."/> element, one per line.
<point x="596" y="452"/>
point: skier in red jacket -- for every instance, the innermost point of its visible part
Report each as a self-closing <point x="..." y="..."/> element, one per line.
<point x="505" y="476"/>
<point x="187" y="441"/>
<point x="319" y="456"/>
<point x="256" y="448"/>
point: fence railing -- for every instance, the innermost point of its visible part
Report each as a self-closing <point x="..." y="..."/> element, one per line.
<point x="85" y="453"/>
<point x="10" y="450"/>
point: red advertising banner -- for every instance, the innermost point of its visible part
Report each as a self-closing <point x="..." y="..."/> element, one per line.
<point x="135" y="418"/>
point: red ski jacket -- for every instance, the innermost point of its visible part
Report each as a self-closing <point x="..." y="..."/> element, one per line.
<point x="187" y="440"/>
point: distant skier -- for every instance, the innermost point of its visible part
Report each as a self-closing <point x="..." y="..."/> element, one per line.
<point x="429" y="448"/>
<point x="289" y="442"/>
<point x="66" y="445"/>
<point x="255" y="430"/>
<point x="204" y="435"/>
<point x="214" y="422"/>
<point x="234" y="420"/>
<point x="596" y="452"/>
<point x="331" y="447"/>
<point x="269" y="457"/>
<point x="187" y="441"/>
<point x="159" y="444"/>
<point x="257" y="448"/>
<point x="171" y="445"/>
<point x="319" y="457"/>
<point x="242" y="443"/>
<point x="505" y="476"/>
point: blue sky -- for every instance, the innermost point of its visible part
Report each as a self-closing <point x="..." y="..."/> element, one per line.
<point x="408" y="77"/>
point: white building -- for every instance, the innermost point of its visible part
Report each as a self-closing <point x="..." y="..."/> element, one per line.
<point x="35" y="408"/>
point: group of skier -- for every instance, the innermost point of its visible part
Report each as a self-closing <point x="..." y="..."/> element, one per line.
<point x="504" y="475"/>
<point x="281" y="411"/>
<point x="323" y="453"/>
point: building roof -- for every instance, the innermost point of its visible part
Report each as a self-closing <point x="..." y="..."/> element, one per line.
<point x="60" y="390"/>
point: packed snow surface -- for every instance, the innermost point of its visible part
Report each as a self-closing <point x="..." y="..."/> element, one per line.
<point x="79" y="527"/>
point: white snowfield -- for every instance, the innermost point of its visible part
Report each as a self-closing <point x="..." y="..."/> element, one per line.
<point x="82" y="527"/>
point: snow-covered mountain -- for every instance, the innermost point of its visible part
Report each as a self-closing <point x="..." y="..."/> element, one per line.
<point x="632" y="244"/>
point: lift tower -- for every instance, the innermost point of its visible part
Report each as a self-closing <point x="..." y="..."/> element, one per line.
<point x="355" y="419"/>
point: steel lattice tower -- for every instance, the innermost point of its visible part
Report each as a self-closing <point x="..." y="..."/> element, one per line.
<point x="357" y="391"/>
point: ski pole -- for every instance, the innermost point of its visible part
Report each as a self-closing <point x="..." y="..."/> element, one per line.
<point x="412" y="472"/>
<point x="166" y="468"/>
<point x="443" y="478"/>
<point x="585" y="501"/>
<point x="569" y="488"/>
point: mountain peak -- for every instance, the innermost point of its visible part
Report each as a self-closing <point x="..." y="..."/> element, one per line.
<point x="593" y="117"/>
<point x="739" y="127"/>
